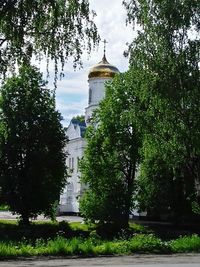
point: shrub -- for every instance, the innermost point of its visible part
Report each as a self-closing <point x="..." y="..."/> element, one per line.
<point x="186" y="244"/>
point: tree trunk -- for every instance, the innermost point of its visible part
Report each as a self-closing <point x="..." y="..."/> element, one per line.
<point x="25" y="219"/>
<point x="130" y="182"/>
<point x="125" y="219"/>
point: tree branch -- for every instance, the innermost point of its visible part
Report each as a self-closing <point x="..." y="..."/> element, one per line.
<point x="2" y="41"/>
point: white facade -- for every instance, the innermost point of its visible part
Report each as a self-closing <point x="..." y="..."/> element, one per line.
<point x="75" y="149"/>
<point x="69" y="200"/>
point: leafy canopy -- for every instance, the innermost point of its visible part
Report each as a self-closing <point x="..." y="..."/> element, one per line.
<point x="166" y="53"/>
<point x="55" y="30"/>
<point x="112" y="155"/>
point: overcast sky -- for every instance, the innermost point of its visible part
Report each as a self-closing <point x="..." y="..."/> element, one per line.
<point x="72" y="92"/>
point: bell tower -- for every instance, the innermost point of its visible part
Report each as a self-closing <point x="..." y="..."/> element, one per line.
<point x="98" y="75"/>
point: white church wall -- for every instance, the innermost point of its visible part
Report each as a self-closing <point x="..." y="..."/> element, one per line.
<point x="72" y="191"/>
<point x="76" y="145"/>
<point x="97" y="87"/>
<point x="96" y="94"/>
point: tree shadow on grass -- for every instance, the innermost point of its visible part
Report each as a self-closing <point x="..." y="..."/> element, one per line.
<point x="168" y="230"/>
<point x="11" y="231"/>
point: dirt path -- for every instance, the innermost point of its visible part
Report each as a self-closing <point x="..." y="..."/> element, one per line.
<point x="6" y="215"/>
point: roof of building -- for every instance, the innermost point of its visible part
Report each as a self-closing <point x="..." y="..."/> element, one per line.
<point x="80" y="124"/>
<point x="103" y="69"/>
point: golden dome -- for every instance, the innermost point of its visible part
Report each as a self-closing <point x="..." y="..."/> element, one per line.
<point x="103" y="70"/>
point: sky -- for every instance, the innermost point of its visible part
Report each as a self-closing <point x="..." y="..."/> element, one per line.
<point x="72" y="91"/>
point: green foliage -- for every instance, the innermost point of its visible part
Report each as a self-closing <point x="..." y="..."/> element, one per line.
<point x="55" y="30"/>
<point x="141" y="229"/>
<point x="166" y="55"/>
<point x="185" y="244"/>
<point x="11" y="231"/>
<point x="111" y="157"/>
<point x="147" y="243"/>
<point x="83" y="247"/>
<point x="45" y="238"/>
<point x="4" y="207"/>
<point x="157" y="184"/>
<point x="32" y="157"/>
<point x="80" y="118"/>
<point x="195" y="207"/>
<point x="94" y="206"/>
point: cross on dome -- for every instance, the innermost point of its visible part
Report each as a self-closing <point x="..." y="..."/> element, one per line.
<point x="103" y="69"/>
<point x="104" y="47"/>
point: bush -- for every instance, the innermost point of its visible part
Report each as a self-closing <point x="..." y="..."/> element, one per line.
<point x="147" y="243"/>
<point x="186" y="244"/>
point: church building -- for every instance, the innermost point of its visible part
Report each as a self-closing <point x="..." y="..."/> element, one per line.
<point x="98" y="75"/>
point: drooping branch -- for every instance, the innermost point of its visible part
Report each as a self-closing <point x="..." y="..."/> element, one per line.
<point x="2" y="41"/>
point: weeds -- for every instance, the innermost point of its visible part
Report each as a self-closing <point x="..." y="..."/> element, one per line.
<point x="186" y="244"/>
<point x="81" y="240"/>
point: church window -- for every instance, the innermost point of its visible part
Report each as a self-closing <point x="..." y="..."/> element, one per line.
<point x="70" y="190"/>
<point x="90" y="96"/>
<point x="78" y="161"/>
<point x="69" y="163"/>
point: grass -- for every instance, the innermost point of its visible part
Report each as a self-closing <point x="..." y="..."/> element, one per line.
<point x="76" y="239"/>
<point x="186" y="244"/>
<point x="11" y="231"/>
<point x="82" y="247"/>
<point x="138" y="228"/>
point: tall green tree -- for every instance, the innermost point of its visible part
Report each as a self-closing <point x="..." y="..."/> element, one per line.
<point x="166" y="51"/>
<point x="32" y="142"/>
<point x="158" y="182"/>
<point x="111" y="158"/>
<point x="54" y="30"/>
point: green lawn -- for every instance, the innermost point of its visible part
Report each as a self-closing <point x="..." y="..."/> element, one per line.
<point x="48" y="238"/>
